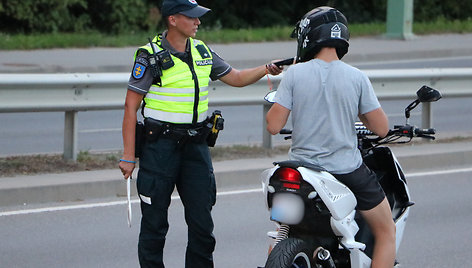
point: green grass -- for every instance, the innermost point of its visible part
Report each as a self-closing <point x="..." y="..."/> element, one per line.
<point x="55" y="163"/>
<point x="70" y="40"/>
<point x="96" y="39"/>
<point x="442" y="25"/>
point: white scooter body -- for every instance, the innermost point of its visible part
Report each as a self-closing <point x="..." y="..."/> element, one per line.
<point x="340" y="202"/>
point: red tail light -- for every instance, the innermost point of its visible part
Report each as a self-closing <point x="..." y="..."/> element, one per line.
<point x="291" y="185"/>
<point x="290" y="177"/>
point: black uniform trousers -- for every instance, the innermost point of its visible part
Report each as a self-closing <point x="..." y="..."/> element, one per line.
<point x="165" y="164"/>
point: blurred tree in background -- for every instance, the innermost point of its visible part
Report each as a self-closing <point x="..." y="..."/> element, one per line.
<point x="119" y="16"/>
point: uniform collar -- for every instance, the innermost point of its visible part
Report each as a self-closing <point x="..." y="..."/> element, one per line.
<point x="166" y="45"/>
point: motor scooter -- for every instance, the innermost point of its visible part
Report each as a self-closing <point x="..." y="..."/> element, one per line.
<point x="317" y="224"/>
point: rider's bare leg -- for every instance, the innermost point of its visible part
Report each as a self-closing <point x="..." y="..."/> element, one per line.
<point x="382" y="226"/>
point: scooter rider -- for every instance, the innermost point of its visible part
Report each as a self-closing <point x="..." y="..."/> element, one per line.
<point x="172" y="75"/>
<point x="325" y="96"/>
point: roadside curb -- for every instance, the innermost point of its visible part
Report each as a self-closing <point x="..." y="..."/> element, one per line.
<point x="230" y="175"/>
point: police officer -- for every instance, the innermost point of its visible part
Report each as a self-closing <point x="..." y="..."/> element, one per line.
<point x="171" y="74"/>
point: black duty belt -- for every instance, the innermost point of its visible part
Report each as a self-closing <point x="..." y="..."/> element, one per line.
<point x="182" y="133"/>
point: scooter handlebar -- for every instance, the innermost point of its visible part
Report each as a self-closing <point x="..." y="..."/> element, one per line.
<point x="412" y="131"/>
<point x="285" y="131"/>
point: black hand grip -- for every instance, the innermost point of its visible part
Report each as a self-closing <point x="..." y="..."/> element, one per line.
<point x="285" y="131"/>
<point x="288" y="61"/>
<point x="427" y="137"/>
<point x="428" y="131"/>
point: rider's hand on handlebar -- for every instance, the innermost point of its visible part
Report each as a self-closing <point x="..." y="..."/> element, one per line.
<point x="411" y="131"/>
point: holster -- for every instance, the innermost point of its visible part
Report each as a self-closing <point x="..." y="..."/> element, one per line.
<point x="153" y="129"/>
<point x="215" y="124"/>
<point x="139" y="139"/>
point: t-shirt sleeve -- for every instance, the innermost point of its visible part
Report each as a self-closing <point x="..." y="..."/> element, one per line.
<point x="368" y="100"/>
<point x="284" y="95"/>
<point x="219" y="68"/>
<point x="141" y="77"/>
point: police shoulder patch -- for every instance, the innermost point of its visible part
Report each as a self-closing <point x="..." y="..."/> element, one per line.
<point x="138" y="70"/>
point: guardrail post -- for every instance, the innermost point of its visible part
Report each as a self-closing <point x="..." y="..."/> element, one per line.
<point x="70" y="135"/>
<point x="400" y="19"/>
<point x="266" y="136"/>
<point x="426" y="115"/>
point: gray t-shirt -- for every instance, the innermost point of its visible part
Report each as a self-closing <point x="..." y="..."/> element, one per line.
<point x="325" y="100"/>
<point x="142" y="84"/>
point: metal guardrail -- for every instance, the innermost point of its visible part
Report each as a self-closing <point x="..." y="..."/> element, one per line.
<point x="72" y="93"/>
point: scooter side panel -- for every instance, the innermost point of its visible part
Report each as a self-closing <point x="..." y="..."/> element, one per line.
<point x="401" y="175"/>
<point x="400" y="227"/>
<point x="400" y="223"/>
<point x="359" y="259"/>
<point x="265" y="178"/>
<point x="338" y="198"/>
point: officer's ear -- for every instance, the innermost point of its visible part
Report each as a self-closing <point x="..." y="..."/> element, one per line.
<point x="171" y="21"/>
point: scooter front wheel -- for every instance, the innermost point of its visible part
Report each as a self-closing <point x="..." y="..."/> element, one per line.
<point x="290" y="253"/>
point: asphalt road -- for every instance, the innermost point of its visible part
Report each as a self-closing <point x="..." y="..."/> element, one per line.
<point x="97" y="235"/>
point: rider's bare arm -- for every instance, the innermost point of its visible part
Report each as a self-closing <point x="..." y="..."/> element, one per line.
<point x="376" y="121"/>
<point x="276" y="118"/>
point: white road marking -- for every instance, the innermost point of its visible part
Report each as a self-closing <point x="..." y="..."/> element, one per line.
<point x="441" y="172"/>
<point x="225" y="193"/>
<point x="100" y="130"/>
<point x="108" y="204"/>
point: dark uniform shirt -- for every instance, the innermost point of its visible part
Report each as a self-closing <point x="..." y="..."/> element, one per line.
<point x="219" y="68"/>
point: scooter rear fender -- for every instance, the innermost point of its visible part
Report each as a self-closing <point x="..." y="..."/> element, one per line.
<point x="337" y="197"/>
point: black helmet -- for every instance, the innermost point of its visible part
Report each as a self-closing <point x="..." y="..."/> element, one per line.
<point x="321" y="27"/>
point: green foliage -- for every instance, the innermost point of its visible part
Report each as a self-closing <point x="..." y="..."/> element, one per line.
<point x="278" y="33"/>
<point x="268" y="13"/>
<point x="118" y="16"/>
<point x="43" y="15"/>
<point x="431" y="10"/>
<point x="128" y="16"/>
<point x="49" y="16"/>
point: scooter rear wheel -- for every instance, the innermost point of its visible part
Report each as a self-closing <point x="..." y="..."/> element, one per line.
<point x="290" y="253"/>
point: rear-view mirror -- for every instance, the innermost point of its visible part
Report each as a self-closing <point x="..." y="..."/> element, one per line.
<point x="427" y="94"/>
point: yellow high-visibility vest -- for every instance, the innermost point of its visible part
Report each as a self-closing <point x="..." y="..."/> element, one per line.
<point x="174" y="100"/>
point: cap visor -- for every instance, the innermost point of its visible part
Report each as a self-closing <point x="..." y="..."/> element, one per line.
<point x="195" y="12"/>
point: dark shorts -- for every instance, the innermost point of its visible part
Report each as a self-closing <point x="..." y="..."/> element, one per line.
<point x="364" y="184"/>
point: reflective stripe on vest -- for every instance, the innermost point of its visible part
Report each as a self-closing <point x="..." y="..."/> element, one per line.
<point x="174" y="100"/>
